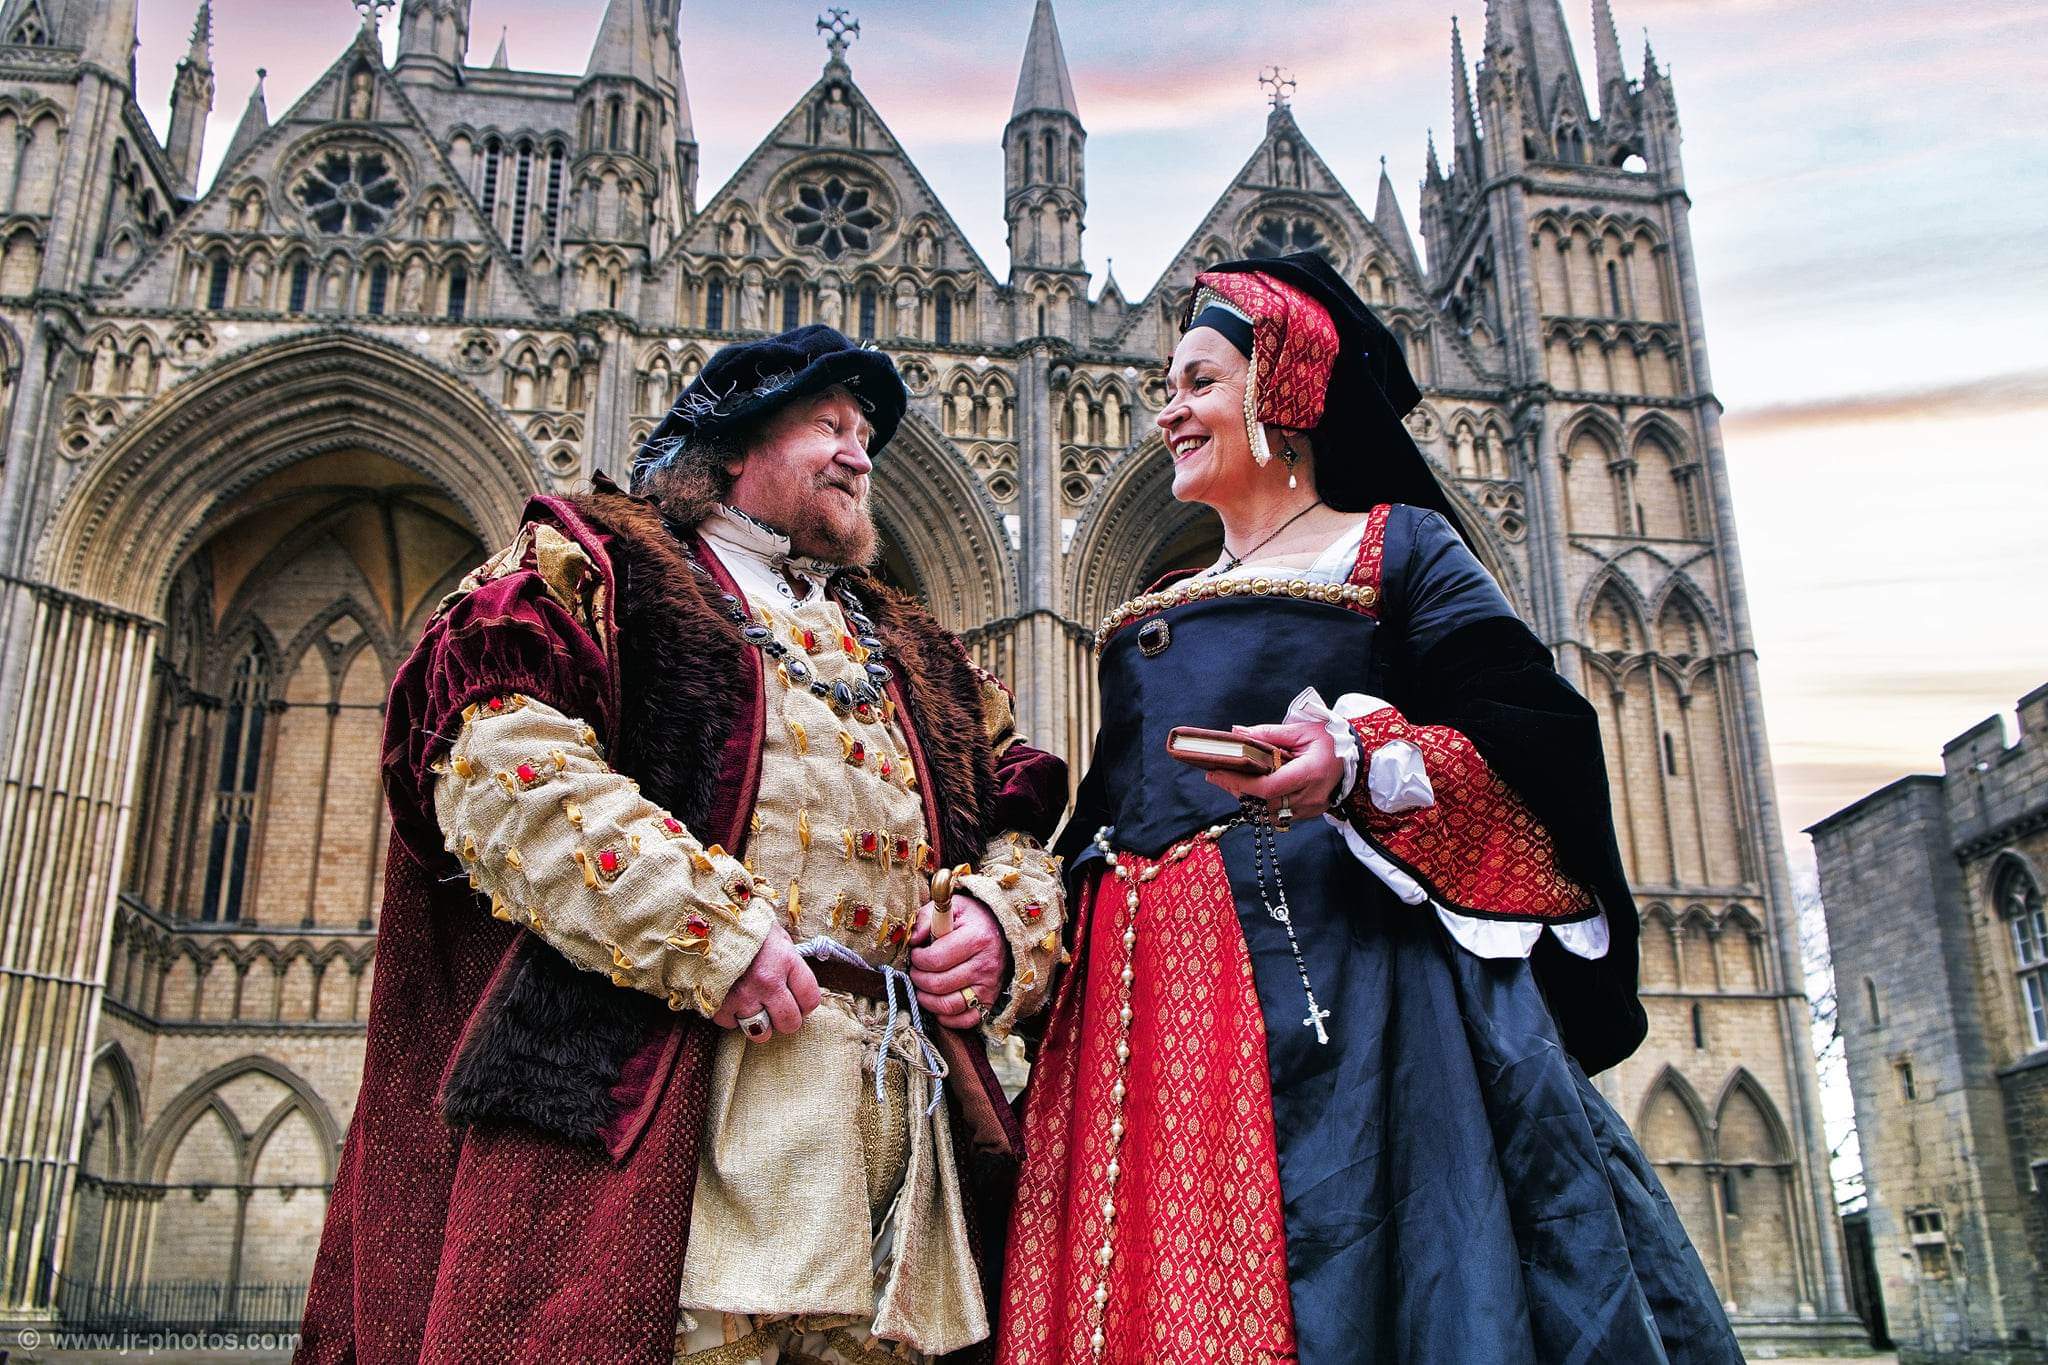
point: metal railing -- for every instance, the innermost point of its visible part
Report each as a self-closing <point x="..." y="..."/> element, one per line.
<point x="181" y="1306"/>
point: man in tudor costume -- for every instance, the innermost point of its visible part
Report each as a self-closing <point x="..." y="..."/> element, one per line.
<point x="669" y="1054"/>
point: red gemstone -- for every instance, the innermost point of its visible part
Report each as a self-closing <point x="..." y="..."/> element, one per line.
<point x="858" y="753"/>
<point x="698" y="926"/>
<point x="1032" y="910"/>
<point x="898" y="933"/>
<point x="861" y="915"/>
<point x="846" y="642"/>
<point x="497" y="703"/>
<point x="671" y="824"/>
<point x="742" y="892"/>
<point x="869" y="841"/>
<point x="608" y="861"/>
<point x="902" y="848"/>
<point x="931" y="860"/>
<point x="526" y="774"/>
<point x="810" y="639"/>
<point x="864" y="712"/>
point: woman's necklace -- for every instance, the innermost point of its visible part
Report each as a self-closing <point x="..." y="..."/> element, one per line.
<point x="1236" y="560"/>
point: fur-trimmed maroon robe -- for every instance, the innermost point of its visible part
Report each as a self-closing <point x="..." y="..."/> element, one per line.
<point x="516" y="1182"/>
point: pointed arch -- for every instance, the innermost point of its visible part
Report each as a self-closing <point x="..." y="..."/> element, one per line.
<point x="1671" y="1122"/>
<point x="202" y="1096"/>
<point x="940" y="518"/>
<point x="1747" y="1126"/>
<point x="144" y="504"/>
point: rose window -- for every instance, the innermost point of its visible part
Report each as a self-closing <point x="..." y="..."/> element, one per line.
<point x="345" y="191"/>
<point x="1279" y="236"/>
<point x="833" y="217"/>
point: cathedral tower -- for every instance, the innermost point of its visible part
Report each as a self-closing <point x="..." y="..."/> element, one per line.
<point x="635" y="161"/>
<point x="1045" y="197"/>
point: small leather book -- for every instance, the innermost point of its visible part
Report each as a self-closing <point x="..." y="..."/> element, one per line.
<point x="1222" y="750"/>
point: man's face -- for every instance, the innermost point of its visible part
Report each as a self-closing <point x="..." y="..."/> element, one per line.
<point x="806" y="473"/>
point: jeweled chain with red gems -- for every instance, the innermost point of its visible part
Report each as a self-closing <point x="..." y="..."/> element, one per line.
<point x="1264" y="848"/>
<point x="848" y="699"/>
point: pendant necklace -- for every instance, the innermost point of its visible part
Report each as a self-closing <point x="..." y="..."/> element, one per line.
<point x="1236" y="560"/>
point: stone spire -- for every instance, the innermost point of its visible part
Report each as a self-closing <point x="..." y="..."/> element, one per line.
<point x="255" y="123"/>
<point x="500" y="60"/>
<point x="1607" y="69"/>
<point x="1536" y="30"/>
<point x="191" y="102"/>
<point x="1464" y="129"/>
<point x="627" y="45"/>
<point x="1434" y="174"/>
<point x="1386" y="216"/>
<point x="1043" y="82"/>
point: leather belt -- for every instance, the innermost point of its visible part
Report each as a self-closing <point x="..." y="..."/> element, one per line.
<point x="844" y="977"/>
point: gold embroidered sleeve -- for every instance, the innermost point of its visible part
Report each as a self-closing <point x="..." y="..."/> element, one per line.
<point x="569" y="848"/>
<point x="1020" y="883"/>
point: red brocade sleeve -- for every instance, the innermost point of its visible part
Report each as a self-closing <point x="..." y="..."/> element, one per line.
<point x="1478" y="850"/>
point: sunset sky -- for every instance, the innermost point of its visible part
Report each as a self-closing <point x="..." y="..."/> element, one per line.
<point x="1870" y="184"/>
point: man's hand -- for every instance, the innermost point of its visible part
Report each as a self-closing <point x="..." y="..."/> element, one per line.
<point x="974" y="955"/>
<point x="1306" y="782"/>
<point x="777" y="980"/>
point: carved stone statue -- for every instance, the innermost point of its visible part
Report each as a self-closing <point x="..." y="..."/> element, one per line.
<point x="923" y="251"/>
<point x="1289" y="167"/>
<point x="753" y="301"/>
<point x="736" y="236"/>
<point x="359" y="95"/>
<point x="558" y="381"/>
<point x="835" y="120"/>
<point x="412" y="288"/>
<point x="256" y="280"/>
<point x="906" y="308"/>
<point x="102" y="377"/>
<point x="331" y="285"/>
<point x="831" y="303"/>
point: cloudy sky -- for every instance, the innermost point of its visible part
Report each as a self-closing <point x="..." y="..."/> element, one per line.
<point x="1871" y="213"/>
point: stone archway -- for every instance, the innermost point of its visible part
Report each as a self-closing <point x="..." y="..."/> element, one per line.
<point x="260" y="430"/>
<point x="1135" y="533"/>
<point x="941" y="536"/>
<point x="256" y="413"/>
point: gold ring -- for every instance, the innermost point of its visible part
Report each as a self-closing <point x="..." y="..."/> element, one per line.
<point x="1283" y="818"/>
<point x="970" y="999"/>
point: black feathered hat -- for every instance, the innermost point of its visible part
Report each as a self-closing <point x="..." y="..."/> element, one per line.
<point x="1364" y="454"/>
<point x="745" y="382"/>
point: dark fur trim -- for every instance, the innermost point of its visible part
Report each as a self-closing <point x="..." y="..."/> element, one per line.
<point x="549" y="1044"/>
<point x="944" y="695"/>
<point x="548" y="1047"/>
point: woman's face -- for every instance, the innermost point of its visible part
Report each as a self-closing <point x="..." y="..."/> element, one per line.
<point x="1203" y="420"/>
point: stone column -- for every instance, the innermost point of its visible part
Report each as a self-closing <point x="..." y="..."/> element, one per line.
<point x="1039" y="665"/>
<point x="66" y="796"/>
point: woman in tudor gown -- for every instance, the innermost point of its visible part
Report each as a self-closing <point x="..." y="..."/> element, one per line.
<point x="1315" y="1084"/>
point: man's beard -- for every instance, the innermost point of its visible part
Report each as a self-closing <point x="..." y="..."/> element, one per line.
<point x="812" y="533"/>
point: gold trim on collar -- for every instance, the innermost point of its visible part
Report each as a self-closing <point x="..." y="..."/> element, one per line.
<point x="1336" y="594"/>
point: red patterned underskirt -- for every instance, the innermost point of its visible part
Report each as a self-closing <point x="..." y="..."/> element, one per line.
<point x="1199" y="1270"/>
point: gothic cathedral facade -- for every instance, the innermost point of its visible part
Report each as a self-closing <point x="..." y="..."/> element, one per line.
<point x="254" y="432"/>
